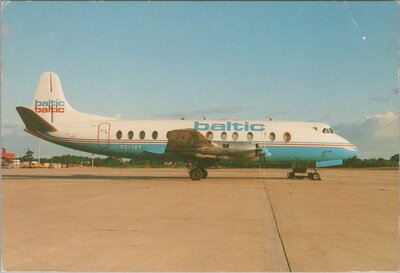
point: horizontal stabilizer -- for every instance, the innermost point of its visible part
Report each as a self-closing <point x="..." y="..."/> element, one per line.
<point x="33" y="121"/>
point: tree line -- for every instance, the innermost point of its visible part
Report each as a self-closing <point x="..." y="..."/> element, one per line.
<point x="69" y="160"/>
<point x="86" y="161"/>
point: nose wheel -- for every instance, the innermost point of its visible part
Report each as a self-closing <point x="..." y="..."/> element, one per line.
<point x="314" y="176"/>
<point x="300" y="172"/>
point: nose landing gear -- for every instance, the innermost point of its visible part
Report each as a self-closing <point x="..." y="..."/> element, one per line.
<point x="314" y="175"/>
<point x="299" y="171"/>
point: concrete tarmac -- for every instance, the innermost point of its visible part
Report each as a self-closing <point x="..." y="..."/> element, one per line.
<point x="84" y="219"/>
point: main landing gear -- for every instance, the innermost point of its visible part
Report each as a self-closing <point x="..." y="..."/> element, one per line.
<point x="300" y="171"/>
<point x="196" y="172"/>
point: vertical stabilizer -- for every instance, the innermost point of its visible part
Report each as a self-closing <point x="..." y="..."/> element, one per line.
<point x="51" y="105"/>
<point x="49" y="101"/>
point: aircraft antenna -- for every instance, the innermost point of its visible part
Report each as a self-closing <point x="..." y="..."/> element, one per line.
<point x="51" y="84"/>
<point x="51" y="106"/>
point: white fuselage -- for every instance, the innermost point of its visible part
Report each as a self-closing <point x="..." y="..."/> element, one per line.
<point x="285" y="140"/>
<point x="52" y="118"/>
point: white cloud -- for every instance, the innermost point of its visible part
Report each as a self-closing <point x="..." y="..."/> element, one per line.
<point x="6" y="131"/>
<point x="382" y="125"/>
<point x="9" y="128"/>
<point x="376" y="135"/>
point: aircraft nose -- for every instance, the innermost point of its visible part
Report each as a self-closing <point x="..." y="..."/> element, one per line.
<point x="351" y="151"/>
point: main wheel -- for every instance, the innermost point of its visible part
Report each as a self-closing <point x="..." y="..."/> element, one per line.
<point x="290" y="175"/>
<point x="196" y="174"/>
<point x="316" y="176"/>
<point x="205" y="173"/>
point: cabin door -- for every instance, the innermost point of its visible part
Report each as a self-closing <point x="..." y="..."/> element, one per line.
<point x="103" y="135"/>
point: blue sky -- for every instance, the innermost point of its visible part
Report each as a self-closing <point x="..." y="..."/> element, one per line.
<point x="248" y="60"/>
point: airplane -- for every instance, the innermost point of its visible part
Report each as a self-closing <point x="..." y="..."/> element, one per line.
<point x="200" y="144"/>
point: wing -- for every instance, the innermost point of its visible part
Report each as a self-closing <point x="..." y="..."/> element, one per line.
<point x="191" y="144"/>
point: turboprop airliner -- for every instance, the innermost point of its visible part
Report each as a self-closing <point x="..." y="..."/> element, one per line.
<point x="200" y="144"/>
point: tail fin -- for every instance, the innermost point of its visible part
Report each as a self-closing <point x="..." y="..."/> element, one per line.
<point x="51" y="105"/>
<point x="49" y="101"/>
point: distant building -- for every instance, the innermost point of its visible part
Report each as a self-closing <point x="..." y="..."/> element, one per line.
<point x="34" y="164"/>
<point x="16" y="163"/>
<point x="56" y="165"/>
<point x="6" y="158"/>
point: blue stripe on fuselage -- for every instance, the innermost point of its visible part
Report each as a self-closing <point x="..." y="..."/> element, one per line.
<point x="278" y="152"/>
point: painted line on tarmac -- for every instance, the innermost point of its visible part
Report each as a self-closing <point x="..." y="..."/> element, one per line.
<point x="276" y="226"/>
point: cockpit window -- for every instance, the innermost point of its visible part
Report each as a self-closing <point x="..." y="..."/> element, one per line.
<point x="327" y="131"/>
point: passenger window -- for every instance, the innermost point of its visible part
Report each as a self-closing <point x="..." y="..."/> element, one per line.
<point x="272" y="136"/>
<point x="119" y="134"/>
<point x="130" y="134"/>
<point x="287" y="137"/>
<point x="154" y="135"/>
<point x="224" y="135"/>
<point x="142" y="135"/>
<point x="249" y="136"/>
<point x="210" y="135"/>
<point x="235" y="136"/>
